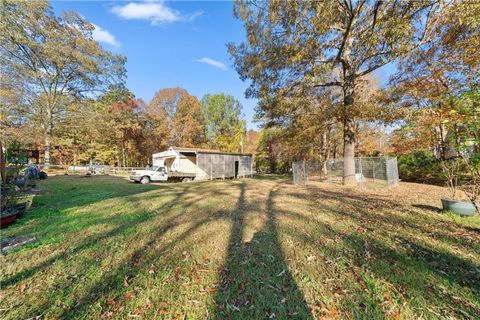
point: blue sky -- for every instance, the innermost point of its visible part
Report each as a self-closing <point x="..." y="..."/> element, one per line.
<point x="170" y="44"/>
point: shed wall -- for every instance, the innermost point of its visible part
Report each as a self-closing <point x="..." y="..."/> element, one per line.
<point x="221" y="166"/>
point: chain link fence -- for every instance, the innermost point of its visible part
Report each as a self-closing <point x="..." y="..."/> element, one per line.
<point x="369" y="171"/>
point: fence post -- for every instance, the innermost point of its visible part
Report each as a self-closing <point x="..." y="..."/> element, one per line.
<point x="361" y="178"/>
<point x="304" y="173"/>
<point x="373" y="169"/>
<point x="387" y="171"/>
<point x="251" y="167"/>
<point x="395" y="171"/>
<point x="329" y="176"/>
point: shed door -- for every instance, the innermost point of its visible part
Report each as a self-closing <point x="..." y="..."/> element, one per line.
<point x="236" y="169"/>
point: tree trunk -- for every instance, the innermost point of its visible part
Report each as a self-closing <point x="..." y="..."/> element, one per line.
<point x="324" y="153"/>
<point x="127" y="159"/>
<point x="3" y="171"/>
<point x="48" y="145"/>
<point x="348" y="136"/>
<point x="124" y="159"/>
<point x="48" y="136"/>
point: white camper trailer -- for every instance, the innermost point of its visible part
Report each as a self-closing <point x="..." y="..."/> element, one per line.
<point x="195" y="164"/>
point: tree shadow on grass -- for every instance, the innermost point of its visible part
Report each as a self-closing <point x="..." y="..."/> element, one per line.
<point x="50" y="210"/>
<point x="387" y="225"/>
<point x="138" y="260"/>
<point x="379" y="245"/>
<point x="271" y="177"/>
<point x="64" y="208"/>
<point x="389" y="216"/>
<point x="169" y="229"/>
<point x="141" y="260"/>
<point x="119" y="225"/>
<point x="427" y="207"/>
<point x="414" y="271"/>
<point x="255" y="281"/>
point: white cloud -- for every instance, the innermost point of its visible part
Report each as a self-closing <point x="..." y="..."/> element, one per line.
<point x="194" y="15"/>
<point x="215" y="63"/>
<point x="101" y="35"/>
<point x="153" y="11"/>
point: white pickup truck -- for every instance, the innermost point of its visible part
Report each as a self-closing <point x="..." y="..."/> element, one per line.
<point x="159" y="173"/>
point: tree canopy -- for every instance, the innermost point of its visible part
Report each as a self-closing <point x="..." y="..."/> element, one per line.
<point x="224" y="126"/>
<point x="302" y="48"/>
<point x="55" y="58"/>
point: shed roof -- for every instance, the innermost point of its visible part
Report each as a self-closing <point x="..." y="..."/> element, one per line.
<point x="199" y="150"/>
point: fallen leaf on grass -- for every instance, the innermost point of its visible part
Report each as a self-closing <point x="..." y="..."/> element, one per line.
<point x="21" y="287"/>
<point x="110" y="314"/>
<point x="208" y="290"/>
<point x="334" y="312"/>
<point x="329" y="313"/>
<point x="337" y="292"/>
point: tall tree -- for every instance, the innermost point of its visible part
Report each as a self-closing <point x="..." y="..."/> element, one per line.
<point x="433" y="81"/>
<point x="224" y="125"/>
<point x="251" y="142"/>
<point x="295" y="47"/>
<point x="56" y="57"/>
<point x="175" y="119"/>
<point x="271" y="155"/>
<point x="188" y="126"/>
<point x="122" y="125"/>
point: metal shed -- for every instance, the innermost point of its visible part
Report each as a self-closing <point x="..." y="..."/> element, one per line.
<point x="204" y="163"/>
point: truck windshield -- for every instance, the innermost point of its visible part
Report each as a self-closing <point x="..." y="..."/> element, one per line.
<point x="157" y="168"/>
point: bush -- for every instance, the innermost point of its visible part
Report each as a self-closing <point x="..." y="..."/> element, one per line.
<point x="419" y="167"/>
<point x="267" y="165"/>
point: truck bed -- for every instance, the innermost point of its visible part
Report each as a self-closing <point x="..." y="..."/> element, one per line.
<point x="177" y="174"/>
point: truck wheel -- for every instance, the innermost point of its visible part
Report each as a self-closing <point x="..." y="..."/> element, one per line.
<point x="187" y="179"/>
<point x="145" y="180"/>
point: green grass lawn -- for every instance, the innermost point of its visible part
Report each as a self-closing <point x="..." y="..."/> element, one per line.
<point x="245" y="249"/>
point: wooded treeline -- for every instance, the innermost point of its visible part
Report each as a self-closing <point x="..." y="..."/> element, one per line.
<point x="312" y="66"/>
<point x="64" y="94"/>
<point x="117" y="129"/>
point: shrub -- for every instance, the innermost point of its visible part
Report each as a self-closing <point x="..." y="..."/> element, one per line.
<point x="419" y="167"/>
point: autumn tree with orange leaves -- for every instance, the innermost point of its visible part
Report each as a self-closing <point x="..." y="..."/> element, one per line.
<point x="304" y="48"/>
<point x="174" y="118"/>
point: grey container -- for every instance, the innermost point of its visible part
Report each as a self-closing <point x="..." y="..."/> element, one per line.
<point x="459" y="207"/>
